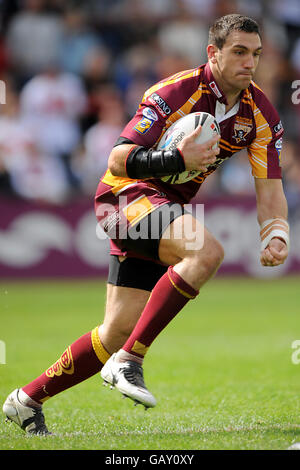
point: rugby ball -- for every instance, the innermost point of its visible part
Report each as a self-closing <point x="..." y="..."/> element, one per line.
<point x="180" y="129"/>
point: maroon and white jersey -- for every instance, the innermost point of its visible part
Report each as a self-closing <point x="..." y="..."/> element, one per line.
<point x="252" y="123"/>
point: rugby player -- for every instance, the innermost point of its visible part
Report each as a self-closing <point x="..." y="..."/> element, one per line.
<point x="165" y="266"/>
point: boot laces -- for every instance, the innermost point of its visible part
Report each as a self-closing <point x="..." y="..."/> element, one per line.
<point x="134" y="374"/>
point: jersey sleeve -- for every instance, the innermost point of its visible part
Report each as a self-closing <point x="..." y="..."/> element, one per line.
<point x="159" y="103"/>
<point x="265" y="150"/>
<point x="145" y="127"/>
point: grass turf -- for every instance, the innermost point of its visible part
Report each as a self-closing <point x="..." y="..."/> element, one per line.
<point x="221" y="372"/>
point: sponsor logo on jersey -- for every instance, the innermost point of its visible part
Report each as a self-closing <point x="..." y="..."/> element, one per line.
<point x="215" y="89"/>
<point x="278" y="128"/>
<point x="150" y="114"/>
<point x="242" y="127"/>
<point x="144" y="125"/>
<point x="162" y="107"/>
<point x="64" y="364"/>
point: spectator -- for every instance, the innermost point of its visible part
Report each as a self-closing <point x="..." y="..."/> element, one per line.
<point x="157" y="9"/>
<point x="204" y="9"/>
<point x="138" y="62"/>
<point x="270" y="73"/>
<point x="295" y="57"/>
<point x="52" y="103"/>
<point x="291" y="174"/>
<point x="254" y="9"/>
<point x="170" y="64"/>
<point x="78" y="41"/>
<point x="95" y="68"/>
<point x="33" y="39"/>
<point x="91" y="161"/>
<point x="185" y="36"/>
<point x="287" y="13"/>
<point x="32" y="173"/>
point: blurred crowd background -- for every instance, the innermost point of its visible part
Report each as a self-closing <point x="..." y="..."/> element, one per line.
<point x="75" y="72"/>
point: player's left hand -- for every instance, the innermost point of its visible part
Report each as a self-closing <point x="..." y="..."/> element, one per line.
<point x="275" y="253"/>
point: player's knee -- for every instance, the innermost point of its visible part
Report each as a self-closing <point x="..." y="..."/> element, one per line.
<point x="209" y="258"/>
<point x="217" y="253"/>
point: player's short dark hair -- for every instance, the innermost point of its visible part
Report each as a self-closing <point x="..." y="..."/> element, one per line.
<point x="223" y="26"/>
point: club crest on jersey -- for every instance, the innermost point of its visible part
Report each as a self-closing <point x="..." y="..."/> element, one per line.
<point x="242" y="127"/>
<point x="143" y="125"/>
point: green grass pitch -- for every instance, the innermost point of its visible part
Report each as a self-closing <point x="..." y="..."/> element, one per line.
<point x="222" y="371"/>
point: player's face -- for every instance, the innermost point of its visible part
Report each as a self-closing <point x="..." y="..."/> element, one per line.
<point x="237" y="61"/>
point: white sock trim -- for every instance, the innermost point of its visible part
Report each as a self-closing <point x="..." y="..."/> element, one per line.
<point x="124" y="356"/>
<point x="27" y="401"/>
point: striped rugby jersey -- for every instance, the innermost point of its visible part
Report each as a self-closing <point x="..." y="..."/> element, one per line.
<point x="252" y="123"/>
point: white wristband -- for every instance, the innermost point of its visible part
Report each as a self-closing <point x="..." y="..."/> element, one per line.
<point x="271" y="228"/>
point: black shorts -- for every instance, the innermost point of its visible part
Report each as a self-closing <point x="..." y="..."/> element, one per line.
<point x="143" y="272"/>
<point x="134" y="272"/>
<point x="152" y="228"/>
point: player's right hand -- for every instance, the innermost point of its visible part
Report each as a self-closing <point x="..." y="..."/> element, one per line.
<point x="198" y="156"/>
<point x="275" y="253"/>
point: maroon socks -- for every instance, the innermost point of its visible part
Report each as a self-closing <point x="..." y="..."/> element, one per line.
<point x="168" y="297"/>
<point x="84" y="358"/>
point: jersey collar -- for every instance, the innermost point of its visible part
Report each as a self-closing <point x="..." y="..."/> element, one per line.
<point x="214" y="87"/>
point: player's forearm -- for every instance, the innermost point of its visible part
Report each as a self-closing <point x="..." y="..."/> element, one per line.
<point x="137" y="162"/>
<point x="272" y="212"/>
<point x="117" y="160"/>
<point x="271" y="201"/>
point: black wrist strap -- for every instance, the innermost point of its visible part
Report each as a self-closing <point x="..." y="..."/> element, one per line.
<point x="150" y="163"/>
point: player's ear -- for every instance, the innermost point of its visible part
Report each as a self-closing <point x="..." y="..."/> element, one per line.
<point x="211" y="53"/>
